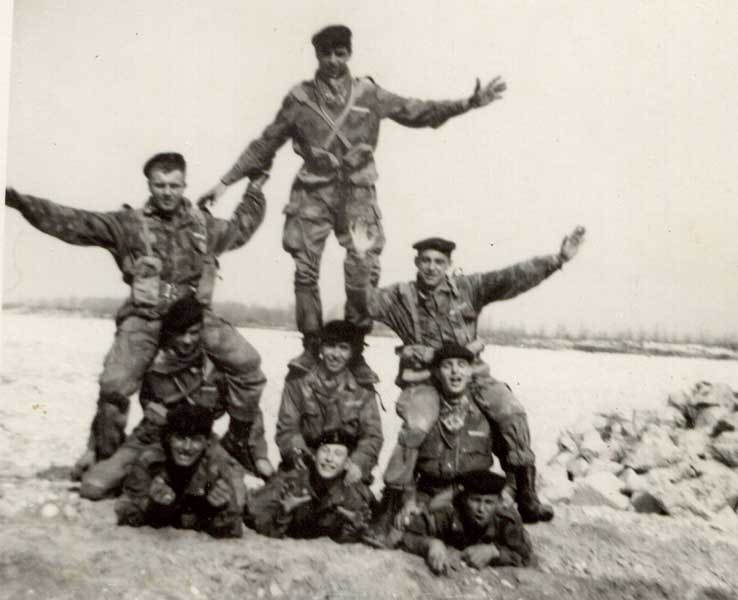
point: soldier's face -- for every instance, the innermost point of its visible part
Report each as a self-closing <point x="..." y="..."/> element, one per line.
<point x="166" y="189"/>
<point x="330" y="460"/>
<point x="432" y="267"/>
<point x="333" y="62"/>
<point x="186" y="450"/>
<point x="336" y="356"/>
<point x="480" y="507"/>
<point x="454" y="374"/>
<point x="185" y="343"/>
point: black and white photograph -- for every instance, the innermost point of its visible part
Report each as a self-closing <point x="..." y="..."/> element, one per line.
<point x="338" y="300"/>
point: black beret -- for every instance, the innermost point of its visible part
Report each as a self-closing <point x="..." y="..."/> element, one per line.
<point x="452" y="350"/>
<point x="182" y="315"/>
<point x="166" y="161"/>
<point x="187" y="419"/>
<point x="335" y="332"/>
<point x="435" y="243"/>
<point x="332" y="36"/>
<point x="338" y="436"/>
<point x="481" y="482"/>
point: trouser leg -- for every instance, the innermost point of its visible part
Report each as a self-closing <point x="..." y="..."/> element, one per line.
<point x="239" y="361"/>
<point x="135" y="345"/>
<point x="105" y="477"/>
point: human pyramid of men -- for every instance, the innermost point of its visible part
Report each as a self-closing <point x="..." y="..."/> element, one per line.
<point x="190" y="367"/>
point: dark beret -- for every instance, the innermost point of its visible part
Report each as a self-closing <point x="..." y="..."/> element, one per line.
<point x="182" y="315"/>
<point x="435" y="243"/>
<point x="481" y="482"/>
<point x="187" y="419"/>
<point x="338" y="436"/>
<point x="335" y="332"/>
<point x="332" y="36"/>
<point x="452" y="350"/>
<point x="166" y="161"/>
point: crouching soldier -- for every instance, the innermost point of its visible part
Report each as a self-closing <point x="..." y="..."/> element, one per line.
<point x="312" y="498"/>
<point x="181" y="373"/>
<point x="189" y="482"/>
<point x="437" y="309"/>
<point x="477" y="523"/>
<point x="328" y="397"/>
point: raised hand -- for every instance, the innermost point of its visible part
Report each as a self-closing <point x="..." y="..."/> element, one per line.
<point x="219" y="494"/>
<point x="160" y="492"/>
<point x="570" y="244"/>
<point x="211" y="196"/>
<point x="479" y="555"/>
<point x="437" y="558"/>
<point x="482" y="96"/>
<point x="362" y="236"/>
<point x="407" y="512"/>
<point x="353" y="473"/>
<point x="290" y="502"/>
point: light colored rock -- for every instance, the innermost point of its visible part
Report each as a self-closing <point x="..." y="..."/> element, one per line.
<point x="672" y="417"/>
<point x="725" y="519"/>
<point x="708" y="417"/>
<point x="724" y="448"/>
<point x="70" y="512"/>
<point x="644" y="502"/>
<point x="608" y="466"/>
<point x="678" y="400"/>
<point x="726" y="423"/>
<point x="592" y="445"/>
<point x="632" y="482"/>
<point x="599" y="489"/>
<point x="709" y="403"/>
<point x="695" y="443"/>
<point x="49" y="511"/>
<point x="655" y="449"/>
<point x="556" y="487"/>
<point x="577" y="468"/>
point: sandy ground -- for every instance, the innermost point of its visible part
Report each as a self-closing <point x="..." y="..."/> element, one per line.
<point x="48" y="387"/>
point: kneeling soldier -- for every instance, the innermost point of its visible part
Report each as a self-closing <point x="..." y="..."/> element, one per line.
<point x="486" y="531"/>
<point x="189" y="482"/>
<point x="328" y="397"/>
<point x="182" y="373"/>
<point x="312" y="499"/>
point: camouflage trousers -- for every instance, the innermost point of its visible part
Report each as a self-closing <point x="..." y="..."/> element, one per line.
<point x="310" y="216"/>
<point x="135" y="345"/>
<point x="418" y="406"/>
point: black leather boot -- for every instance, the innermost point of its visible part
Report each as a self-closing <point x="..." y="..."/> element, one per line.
<point x="530" y="507"/>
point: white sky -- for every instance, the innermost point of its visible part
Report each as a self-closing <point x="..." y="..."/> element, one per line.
<point x="620" y="116"/>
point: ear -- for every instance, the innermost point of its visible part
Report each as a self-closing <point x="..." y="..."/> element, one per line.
<point x="417" y="260"/>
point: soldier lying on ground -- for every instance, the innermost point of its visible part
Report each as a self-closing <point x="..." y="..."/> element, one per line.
<point x="477" y="523"/>
<point x="166" y="250"/>
<point x="333" y="121"/>
<point x="181" y="373"/>
<point x="328" y="397"/>
<point x="188" y="482"/>
<point x="438" y="309"/>
<point x="312" y="498"/>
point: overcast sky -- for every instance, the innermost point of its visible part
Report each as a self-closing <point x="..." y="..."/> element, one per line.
<point x="621" y="116"/>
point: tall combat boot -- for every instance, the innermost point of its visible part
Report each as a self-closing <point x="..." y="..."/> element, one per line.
<point x="379" y="533"/>
<point x="531" y="509"/>
<point x="309" y="357"/>
<point x="363" y="373"/>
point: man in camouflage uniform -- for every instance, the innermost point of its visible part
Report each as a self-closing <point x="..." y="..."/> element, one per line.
<point x="314" y="499"/>
<point x="438" y="309"/>
<point x="477" y="523"/>
<point x="189" y="482"/>
<point x="328" y="397"/>
<point x="333" y="122"/>
<point x="182" y="373"/>
<point x="166" y="250"/>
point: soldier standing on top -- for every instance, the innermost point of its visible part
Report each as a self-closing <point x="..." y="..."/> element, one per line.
<point x="333" y="121"/>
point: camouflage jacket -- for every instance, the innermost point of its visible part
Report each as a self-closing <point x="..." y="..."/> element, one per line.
<point x="185" y="246"/>
<point x="190" y="509"/>
<point x="312" y="405"/>
<point x="171" y="380"/>
<point x="448" y="524"/>
<point x="337" y="144"/>
<point x="450" y="312"/>
<point x="460" y="441"/>
<point x="318" y="517"/>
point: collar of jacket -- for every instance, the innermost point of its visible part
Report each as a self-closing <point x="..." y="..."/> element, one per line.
<point x="181" y="214"/>
<point x="168" y="361"/>
<point x="344" y="380"/>
<point x="447" y="286"/>
<point x="335" y="86"/>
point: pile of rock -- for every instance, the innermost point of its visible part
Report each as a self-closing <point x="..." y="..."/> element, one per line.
<point x="681" y="460"/>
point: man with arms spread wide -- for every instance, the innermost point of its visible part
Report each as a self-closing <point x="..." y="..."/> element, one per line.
<point x="333" y="121"/>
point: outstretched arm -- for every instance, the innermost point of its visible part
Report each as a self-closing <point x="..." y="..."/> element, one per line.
<point x="246" y="219"/>
<point x="71" y="225"/>
<point x="289" y="437"/>
<point x="507" y="283"/>
<point x="412" y="112"/>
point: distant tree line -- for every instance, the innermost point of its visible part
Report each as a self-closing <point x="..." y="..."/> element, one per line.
<point x="282" y="317"/>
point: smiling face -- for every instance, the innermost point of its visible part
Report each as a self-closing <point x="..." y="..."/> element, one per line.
<point x="432" y="267"/>
<point x="336" y="356"/>
<point x="187" y="449"/>
<point x="330" y="460"/>
<point x="333" y="62"/>
<point x="480" y="507"/>
<point x="167" y="189"/>
<point x="454" y="375"/>
<point x="186" y="342"/>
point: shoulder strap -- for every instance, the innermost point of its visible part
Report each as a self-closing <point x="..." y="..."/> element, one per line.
<point x="301" y="95"/>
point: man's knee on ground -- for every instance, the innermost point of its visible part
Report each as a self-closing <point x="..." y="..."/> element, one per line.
<point x="101" y="481"/>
